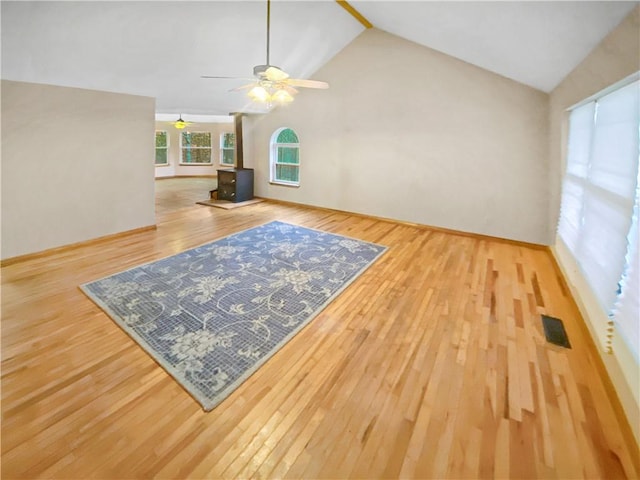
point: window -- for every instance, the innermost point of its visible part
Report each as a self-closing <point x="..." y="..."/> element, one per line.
<point x="227" y="148"/>
<point x="195" y="148"/>
<point x="600" y="195"/>
<point x="285" y="157"/>
<point x="162" y="147"/>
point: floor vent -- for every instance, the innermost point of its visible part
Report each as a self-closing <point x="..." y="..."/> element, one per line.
<point x="555" y="332"/>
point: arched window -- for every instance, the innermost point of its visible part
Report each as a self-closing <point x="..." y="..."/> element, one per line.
<point x="285" y="157"/>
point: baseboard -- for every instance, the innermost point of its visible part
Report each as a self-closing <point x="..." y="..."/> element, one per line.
<point x="31" y="256"/>
<point x="459" y="233"/>
<point x="186" y="176"/>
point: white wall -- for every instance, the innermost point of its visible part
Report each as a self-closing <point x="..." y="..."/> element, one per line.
<point x="174" y="169"/>
<point x="76" y="165"/>
<point x="408" y="133"/>
<point x="617" y="57"/>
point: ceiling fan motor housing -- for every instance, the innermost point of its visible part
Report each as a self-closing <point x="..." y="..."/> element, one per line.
<point x="260" y="70"/>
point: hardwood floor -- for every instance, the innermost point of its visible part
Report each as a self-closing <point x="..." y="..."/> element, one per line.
<point x="180" y="192"/>
<point x="433" y="364"/>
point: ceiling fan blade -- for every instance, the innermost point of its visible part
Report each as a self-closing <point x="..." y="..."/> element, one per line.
<point x="274" y="74"/>
<point x="243" y="87"/>
<point x="287" y="87"/>
<point x="299" y="82"/>
<point x="227" y="78"/>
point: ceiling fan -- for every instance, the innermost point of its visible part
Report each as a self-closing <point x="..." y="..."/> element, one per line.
<point x="180" y="123"/>
<point x="271" y="84"/>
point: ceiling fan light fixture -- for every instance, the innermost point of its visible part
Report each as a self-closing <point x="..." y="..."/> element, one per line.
<point x="282" y="96"/>
<point x="259" y="94"/>
<point x="180" y="123"/>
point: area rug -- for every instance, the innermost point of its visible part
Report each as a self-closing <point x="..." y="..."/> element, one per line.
<point x="227" y="205"/>
<point x="212" y="315"/>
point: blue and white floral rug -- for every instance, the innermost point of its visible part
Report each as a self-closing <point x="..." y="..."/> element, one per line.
<point x="211" y="316"/>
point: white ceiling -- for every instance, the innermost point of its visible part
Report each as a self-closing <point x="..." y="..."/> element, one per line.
<point x="535" y="43"/>
<point x="161" y="48"/>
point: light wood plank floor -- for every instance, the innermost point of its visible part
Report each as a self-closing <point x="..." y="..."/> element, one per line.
<point x="176" y="193"/>
<point x="432" y="364"/>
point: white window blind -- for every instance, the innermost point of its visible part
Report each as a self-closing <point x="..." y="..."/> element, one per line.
<point x="581" y="126"/>
<point x="627" y="310"/>
<point x="599" y="194"/>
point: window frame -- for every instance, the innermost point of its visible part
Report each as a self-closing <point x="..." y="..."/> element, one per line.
<point x="182" y="150"/>
<point x="166" y="148"/>
<point x="274" y="147"/>
<point x="603" y="263"/>
<point x="223" y="149"/>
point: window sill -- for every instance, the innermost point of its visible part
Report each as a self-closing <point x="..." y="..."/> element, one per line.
<point x="162" y="164"/>
<point x="284" y="184"/>
<point x="196" y="164"/>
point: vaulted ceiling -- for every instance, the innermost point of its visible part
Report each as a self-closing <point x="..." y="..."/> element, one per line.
<point x="161" y="49"/>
